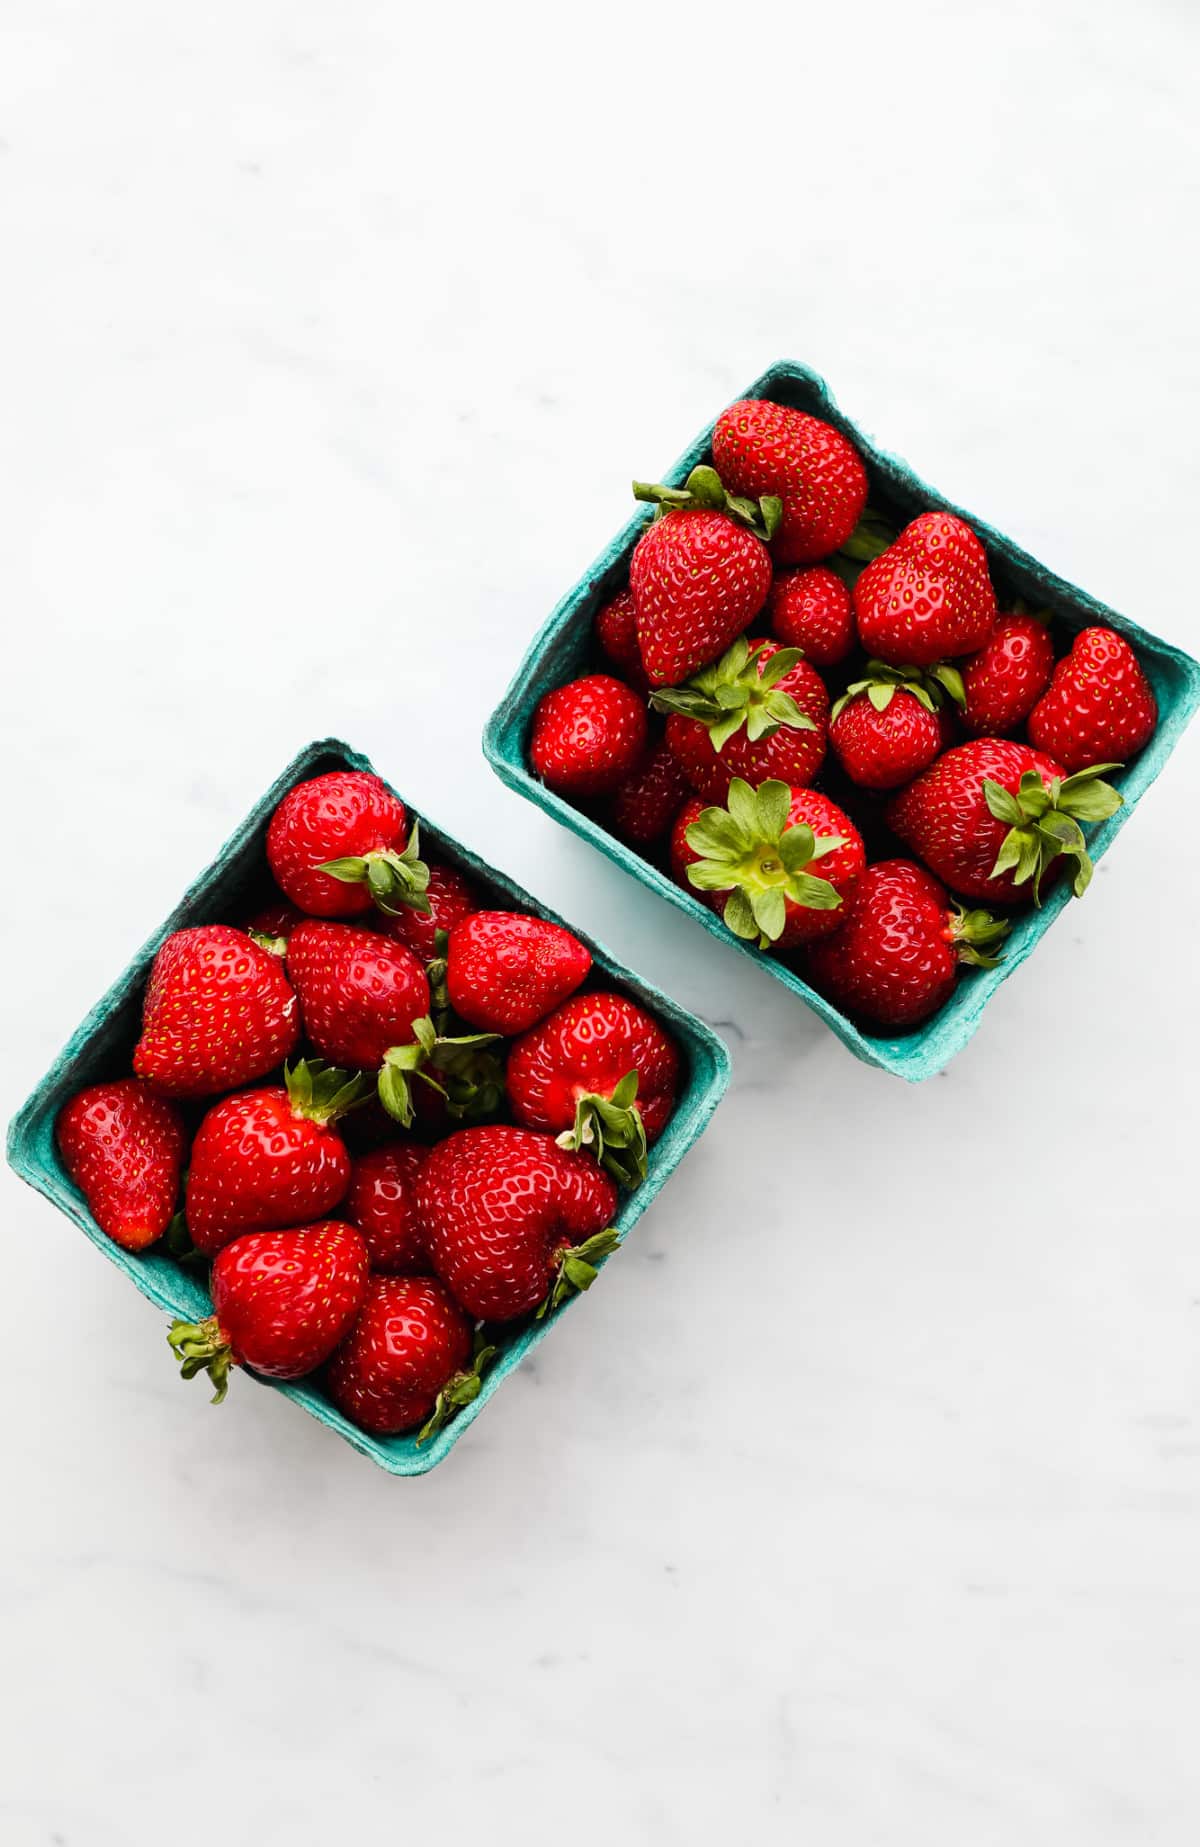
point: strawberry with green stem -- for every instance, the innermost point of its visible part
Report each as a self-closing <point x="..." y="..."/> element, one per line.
<point x="760" y="712"/>
<point x="409" y="1360"/>
<point x="886" y="727"/>
<point x="340" y="843"/>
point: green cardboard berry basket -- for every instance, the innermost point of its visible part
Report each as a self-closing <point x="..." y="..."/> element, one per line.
<point x="236" y="881"/>
<point x="564" y="647"/>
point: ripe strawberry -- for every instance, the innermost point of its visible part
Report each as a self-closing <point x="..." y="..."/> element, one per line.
<point x="266" y="1159"/>
<point x="123" y="1148"/>
<point x="896" y="958"/>
<point x="764" y="448"/>
<point x="407" y="1359"/>
<point x="218" y="1012"/>
<point x="587" y="736"/>
<point x="761" y="712"/>
<point x="887" y="726"/>
<point x="514" y="1222"/>
<point x="928" y="597"/>
<point x="752" y="862"/>
<point x="699" y="575"/>
<point x="505" y="971"/>
<point x="600" y="1074"/>
<point x="451" y="896"/>
<point x="382" y="1202"/>
<point x="992" y="816"/>
<point x="340" y="843"/>
<point x="647" y="802"/>
<point x="282" y="1300"/>
<point x="1005" y="680"/>
<point x="1099" y="706"/>
<point x="616" y="632"/>
<point x="272" y="925"/>
<point x="811" y="610"/>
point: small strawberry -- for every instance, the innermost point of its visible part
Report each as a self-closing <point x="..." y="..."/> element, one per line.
<point x="123" y="1148"/>
<point x="514" y="1222"/>
<point x="699" y="575"/>
<point x="1005" y="680"/>
<point x="811" y="610"/>
<point x="764" y="448"/>
<point x="218" y="1012"/>
<point x="340" y="843"/>
<point x="886" y="728"/>
<point x="616" y="632"/>
<point x="407" y="1359"/>
<point x="760" y="712"/>
<point x="382" y="1202"/>
<point x="991" y="817"/>
<point x="587" y="736"/>
<point x="451" y="897"/>
<point x="928" y="597"/>
<point x="648" y="801"/>
<point x="282" y="1301"/>
<point x="1099" y="706"/>
<point x="505" y="971"/>
<point x="897" y="956"/>
<point x="272" y="925"/>
<point x="601" y="1074"/>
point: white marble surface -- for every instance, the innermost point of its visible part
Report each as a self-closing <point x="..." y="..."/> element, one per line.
<point x="861" y="1504"/>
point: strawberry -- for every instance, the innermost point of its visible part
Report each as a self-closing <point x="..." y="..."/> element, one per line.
<point x="282" y="1301"/>
<point x="600" y="1074"/>
<point x="700" y="574"/>
<point x="811" y="610"/>
<point x="1099" y="705"/>
<point x="897" y="956"/>
<point x="752" y="862"/>
<point x="992" y="816"/>
<point x="764" y="448"/>
<point x="451" y="897"/>
<point x="648" y="801"/>
<point x="514" y="1222"/>
<point x="265" y="1159"/>
<point x="123" y="1148"/>
<point x="340" y="843"/>
<point x="587" y="736"/>
<point x="616" y="632"/>
<point x="382" y="1202"/>
<point x="505" y="971"/>
<point x="218" y="1012"/>
<point x="760" y="712"/>
<point x="272" y="925"/>
<point x="407" y="1359"/>
<point x="1005" y="680"/>
<point x="887" y="727"/>
<point x="928" y="597"/>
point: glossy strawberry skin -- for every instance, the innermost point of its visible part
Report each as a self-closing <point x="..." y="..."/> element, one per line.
<point x="793" y="756"/>
<point x="587" y="1046"/>
<point x="811" y="609"/>
<point x="648" y="801"/>
<point x="587" y="736"/>
<point x="499" y="1205"/>
<point x="255" y="1166"/>
<point x="360" y="991"/>
<point x="218" y="1013"/>
<point x="451" y="898"/>
<point x="408" y="1342"/>
<point x="1008" y="676"/>
<point x="382" y="1202"/>
<point x="698" y="580"/>
<point x="765" y="448"/>
<point x="893" y="961"/>
<point x="928" y="597"/>
<point x="944" y="818"/>
<point x="347" y="813"/>
<point x="616" y="633"/>
<point x="881" y="750"/>
<point x="505" y="970"/>
<point x="1099" y="707"/>
<point x="284" y="1299"/>
<point x="274" y="920"/>
<point x="123" y="1147"/>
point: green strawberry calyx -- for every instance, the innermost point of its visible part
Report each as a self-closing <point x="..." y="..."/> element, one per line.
<point x="396" y="881"/>
<point x="274" y="945"/>
<point x="578" y="1268"/>
<point x="704" y="491"/>
<point x="975" y="934"/>
<point x="1044" y="822"/>
<point x="202" y="1346"/>
<point x="320" y="1092"/>
<point x="749" y="850"/>
<point x="930" y="686"/>
<point x="467" y="1088"/>
<point x="870" y="538"/>
<point x="459" y="1390"/>
<point x="739" y="689"/>
<point x="611" y="1129"/>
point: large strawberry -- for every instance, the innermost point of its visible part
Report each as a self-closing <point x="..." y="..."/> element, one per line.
<point x="600" y="1074"/>
<point x="811" y="610"/>
<point x="760" y="712"/>
<point x="218" y="1012"/>
<point x="587" y="736"/>
<point x="514" y="1222"/>
<point x="382" y="1202"/>
<point x="699" y="575"/>
<point x="992" y="817"/>
<point x="887" y="727"/>
<point x="1099" y="706"/>
<point x="928" y="597"/>
<point x="340" y="843"/>
<point x="1005" y="680"/>
<point x="407" y="1359"/>
<point x="505" y="970"/>
<point x="282" y="1300"/>
<point x="764" y="448"/>
<point x="648" y="801"/>
<point x="123" y="1148"/>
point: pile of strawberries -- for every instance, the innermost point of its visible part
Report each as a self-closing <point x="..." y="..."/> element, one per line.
<point x="387" y="1135"/>
<point x="789" y="638"/>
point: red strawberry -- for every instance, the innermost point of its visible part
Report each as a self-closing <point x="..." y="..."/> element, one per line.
<point x="514" y="1222"/>
<point x="647" y="802"/>
<point x="218" y="1012"/>
<point x="896" y="958"/>
<point x="928" y="597"/>
<point x="282" y="1300"/>
<point x="616" y="632"/>
<point x="505" y="971"/>
<point x="407" y="1360"/>
<point x="382" y="1202"/>
<point x="761" y="712"/>
<point x="1100" y="707"/>
<point x="451" y="897"/>
<point x="600" y="1074"/>
<point x="699" y="575"/>
<point x="272" y="925"/>
<point x="752" y="862"/>
<point x="764" y="448"/>
<point x="340" y="843"/>
<point x="1005" y="680"/>
<point x="587" y="736"/>
<point x="811" y="610"/>
<point x="266" y="1159"/>
<point x="123" y="1148"/>
<point x="992" y="816"/>
<point x="887" y="726"/>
